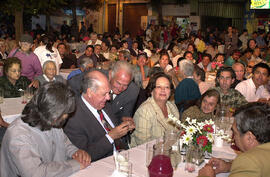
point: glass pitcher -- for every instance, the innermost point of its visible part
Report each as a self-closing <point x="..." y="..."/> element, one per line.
<point x="160" y="165"/>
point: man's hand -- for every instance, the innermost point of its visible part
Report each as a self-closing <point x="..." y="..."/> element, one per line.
<point x="34" y="83"/>
<point x="119" y="131"/>
<point x="131" y="125"/>
<point x="82" y="157"/>
<point x="220" y="165"/>
<point x="207" y="170"/>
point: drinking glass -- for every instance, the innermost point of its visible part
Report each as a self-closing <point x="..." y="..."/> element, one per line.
<point x="125" y="168"/>
<point x="125" y="154"/>
<point x="190" y="162"/>
<point x="171" y="138"/>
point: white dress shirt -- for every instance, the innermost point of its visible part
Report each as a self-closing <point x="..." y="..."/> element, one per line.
<point x="248" y="89"/>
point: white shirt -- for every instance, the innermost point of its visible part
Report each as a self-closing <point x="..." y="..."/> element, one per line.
<point x="97" y="42"/>
<point x="209" y="68"/>
<point x="175" y="59"/>
<point x="94" y="111"/>
<point x="45" y="55"/>
<point x="167" y="69"/>
<point x="47" y="79"/>
<point x="248" y="89"/>
<point x="256" y="60"/>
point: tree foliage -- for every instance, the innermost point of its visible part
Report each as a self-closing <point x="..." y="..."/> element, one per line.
<point x="88" y="4"/>
<point x="33" y="7"/>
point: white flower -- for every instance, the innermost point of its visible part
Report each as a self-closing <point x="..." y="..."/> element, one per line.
<point x="220" y="132"/>
<point x="191" y="130"/>
<point x="201" y="124"/>
<point x="187" y="138"/>
<point x="210" y="137"/>
<point x="193" y="121"/>
<point x="172" y="118"/>
<point x="184" y="126"/>
<point x="206" y="122"/>
<point x="188" y="120"/>
<point x="199" y="129"/>
<point x="211" y="122"/>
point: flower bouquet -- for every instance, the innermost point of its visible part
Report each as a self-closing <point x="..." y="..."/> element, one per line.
<point x="196" y="133"/>
<point x="216" y="65"/>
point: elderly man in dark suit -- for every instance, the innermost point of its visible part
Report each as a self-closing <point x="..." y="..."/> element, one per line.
<point x="93" y="128"/>
<point x="124" y="90"/>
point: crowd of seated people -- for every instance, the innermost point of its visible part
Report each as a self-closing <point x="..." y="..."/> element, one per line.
<point x="113" y="82"/>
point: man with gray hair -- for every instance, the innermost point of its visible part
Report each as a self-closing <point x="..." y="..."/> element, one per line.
<point x="93" y="127"/>
<point x="124" y="55"/>
<point x="187" y="92"/>
<point x="85" y="64"/>
<point x="124" y="91"/>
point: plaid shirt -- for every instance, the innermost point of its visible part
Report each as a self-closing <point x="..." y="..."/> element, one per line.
<point x="150" y="122"/>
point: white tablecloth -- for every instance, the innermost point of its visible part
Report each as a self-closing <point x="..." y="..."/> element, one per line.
<point x="137" y="156"/>
<point x="11" y="108"/>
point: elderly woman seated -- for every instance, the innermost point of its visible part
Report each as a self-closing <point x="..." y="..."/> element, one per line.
<point x="85" y="64"/>
<point x="49" y="74"/>
<point x="199" y="77"/>
<point x="206" y="107"/>
<point x="187" y="92"/>
<point x="151" y="116"/>
<point x="12" y="82"/>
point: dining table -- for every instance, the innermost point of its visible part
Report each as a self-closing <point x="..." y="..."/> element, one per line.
<point x="11" y="108"/>
<point x="137" y="156"/>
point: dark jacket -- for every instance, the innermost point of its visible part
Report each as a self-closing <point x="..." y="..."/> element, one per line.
<point x="10" y="90"/>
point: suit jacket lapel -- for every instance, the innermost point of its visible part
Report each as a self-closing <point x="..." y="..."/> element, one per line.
<point x="90" y="116"/>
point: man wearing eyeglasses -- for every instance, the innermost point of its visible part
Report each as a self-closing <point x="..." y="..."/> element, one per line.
<point x="254" y="88"/>
<point x="124" y="91"/>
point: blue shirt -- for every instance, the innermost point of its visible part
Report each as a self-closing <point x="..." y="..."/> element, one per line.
<point x="74" y="73"/>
